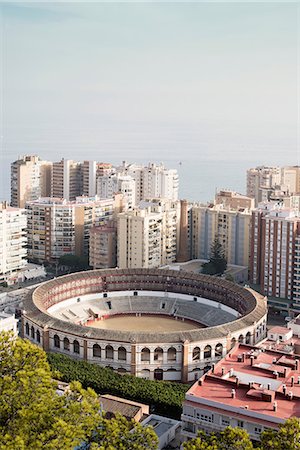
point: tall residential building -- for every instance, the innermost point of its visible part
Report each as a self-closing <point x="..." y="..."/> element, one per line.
<point x="57" y="226"/>
<point x="230" y="226"/>
<point x="89" y="174"/>
<point x="103" y="246"/>
<point x="290" y="178"/>
<point x="66" y="179"/>
<point x="184" y="250"/>
<point x="12" y="239"/>
<point x="109" y="185"/>
<point x="30" y="179"/>
<point x="260" y="178"/>
<point x="148" y="235"/>
<point x="152" y="181"/>
<point x="274" y="247"/>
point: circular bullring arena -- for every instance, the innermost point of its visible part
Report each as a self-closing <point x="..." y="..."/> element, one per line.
<point x="152" y="323"/>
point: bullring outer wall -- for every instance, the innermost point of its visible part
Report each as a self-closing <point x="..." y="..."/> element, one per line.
<point x="180" y="356"/>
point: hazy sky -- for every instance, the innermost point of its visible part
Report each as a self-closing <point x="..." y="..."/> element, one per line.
<point x="191" y="81"/>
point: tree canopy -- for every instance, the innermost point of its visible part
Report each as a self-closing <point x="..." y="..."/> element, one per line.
<point x="217" y="263"/>
<point x="228" y="439"/>
<point x="74" y="262"/>
<point x="287" y="437"/>
<point x="33" y="416"/>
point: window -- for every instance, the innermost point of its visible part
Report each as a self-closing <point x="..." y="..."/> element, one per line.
<point x="225" y="421"/>
<point x="145" y="354"/>
<point x="27" y="329"/>
<point x="257" y="430"/>
<point x="96" y="351"/>
<point x="158" y="354"/>
<point x="56" y="341"/>
<point x="218" y="350"/>
<point x="66" y="344"/>
<point x="76" y="347"/>
<point x="109" y="352"/>
<point x="38" y="336"/>
<point x="122" y="353"/>
<point x="207" y="351"/>
<point x="196" y="354"/>
<point x="109" y="305"/>
<point x="205" y="417"/>
<point x="171" y="354"/>
<point x="240" y="423"/>
<point x="32" y="332"/>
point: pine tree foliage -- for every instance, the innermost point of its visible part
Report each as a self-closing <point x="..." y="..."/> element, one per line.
<point x="217" y="263"/>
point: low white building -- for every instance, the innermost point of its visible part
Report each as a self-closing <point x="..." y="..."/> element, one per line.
<point x="8" y="322"/>
<point x="12" y="240"/>
<point x="164" y="427"/>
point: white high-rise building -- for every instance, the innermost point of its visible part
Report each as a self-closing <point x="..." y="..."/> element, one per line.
<point x="148" y="236"/>
<point x="109" y="185"/>
<point x="152" y="181"/>
<point x="260" y="179"/>
<point x="12" y="239"/>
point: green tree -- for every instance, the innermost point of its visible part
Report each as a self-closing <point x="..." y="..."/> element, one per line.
<point x="228" y="439"/>
<point x="33" y="416"/>
<point x="217" y="263"/>
<point x="120" y="434"/>
<point x="286" y="438"/>
<point x="74" y="262"/>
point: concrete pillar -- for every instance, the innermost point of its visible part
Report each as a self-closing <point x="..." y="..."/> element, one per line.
<point x="185" y="362"/>
<point x="85" y="349"/>
<point x="46" y="340"/>
<point x="133" y="359"/>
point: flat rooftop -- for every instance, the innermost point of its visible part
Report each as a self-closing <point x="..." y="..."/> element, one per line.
<point x="252" y="380"/>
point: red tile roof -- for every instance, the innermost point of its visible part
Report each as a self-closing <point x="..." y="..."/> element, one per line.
<point x="252" y="379"/>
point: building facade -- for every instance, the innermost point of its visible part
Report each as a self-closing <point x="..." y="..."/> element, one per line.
<point x="12" y="240"/>
<point x="260" y="178"/>
<point x="148" y="235"/>
<point x="230" y="226"/>
<point x="274" y="250"/>
<point x="252" y="388"/>
<point x="57" y="227"/>
<point x="109" y="185"/>
<point x="103" y="246"/>
<point x="66" y="179"/>
<point x="30" y="179"/>
<point x="89" y="177"/>
<point x="152" y="181"/>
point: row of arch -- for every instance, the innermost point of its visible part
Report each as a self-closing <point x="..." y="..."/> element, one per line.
<point x="34" y="334"/>
<point x="159" y="354"/>
<point x="109" y="352"/>
<point x="207" y="352"/>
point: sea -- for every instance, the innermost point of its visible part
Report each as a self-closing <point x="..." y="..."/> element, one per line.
<point x="207" y="159"/>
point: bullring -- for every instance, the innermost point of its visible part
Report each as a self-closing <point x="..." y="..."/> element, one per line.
<point x="75" y="315"/>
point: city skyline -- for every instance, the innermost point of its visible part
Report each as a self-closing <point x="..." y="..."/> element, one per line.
<point x="151" y="82"/>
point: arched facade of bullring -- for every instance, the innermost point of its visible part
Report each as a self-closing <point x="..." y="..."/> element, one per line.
<point x="181" y="356"/>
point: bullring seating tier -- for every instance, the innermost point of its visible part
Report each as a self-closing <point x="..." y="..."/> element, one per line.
<point x="206" y="315"/>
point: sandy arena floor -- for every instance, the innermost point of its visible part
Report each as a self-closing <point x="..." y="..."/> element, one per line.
<point x="144" y="323"/>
